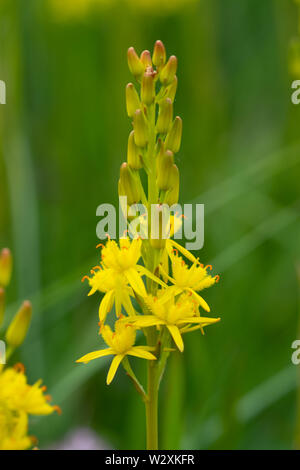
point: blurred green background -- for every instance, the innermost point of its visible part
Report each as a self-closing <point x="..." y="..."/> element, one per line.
<point x="63" y="136"/>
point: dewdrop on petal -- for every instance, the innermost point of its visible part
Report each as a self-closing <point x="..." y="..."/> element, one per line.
<point x="18" y="328"/>
<point x="140" y="129"/>
<point x="134" y="159"/>
<point x="165" y="116"/>
<point x="148" y="90"/>
<point x="5" y="267"/>
<point x="128" y="186"/>
<point x="169" y="71"/>
<point x="132" y="100"/>
<point x="173" y="140"/>
<point x="135" y="65"/>
<point x="159" y="54"/>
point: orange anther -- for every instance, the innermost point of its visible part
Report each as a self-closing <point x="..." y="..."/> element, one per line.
<point x="217" y="278"/>
<point x="48" y="397"/>
<point x="97" y="267"/>
<point x="84" y="278"/>
<point x="44" y="388"/>
<point x="108" y="236"/>
<point x="57" y="409"/>
<point x="19" y="367"/>
<point x="208" y="266"/>
<point x="100" y="245"/>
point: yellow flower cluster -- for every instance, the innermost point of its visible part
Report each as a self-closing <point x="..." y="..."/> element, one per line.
<point x="152" y="283"/>
<point x="18" y="399"/>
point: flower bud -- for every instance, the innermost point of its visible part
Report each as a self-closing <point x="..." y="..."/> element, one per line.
<point x="5" y="267"/>
<point x="168" y="72"/>
<point x="146" y="59"/>
<point x="128" y="186"/>
<point x="173" y="139"/>
<point x="172" y="195"/>
<point x="165" y="116"/>
<point x="148" y="90"/>
<point x="140" y="129"/>
<point x="165" y="163"/>
<point x="159" y="227"/>
<point x="135" y="65"/>
<point x="172" y="88"/>
<point x="2" y="304"/>
<point x="132" y="100"/>
<point x="159" y="54"/>
<point x="133" y="154"/>
<point x="18" y="328"/>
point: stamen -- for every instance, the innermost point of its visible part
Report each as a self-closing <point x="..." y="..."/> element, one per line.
<point x="208" y="266"/>
<point x="217" y="278"/>
<point x="108" y="236"/>
<point x="84" y="278"/>
<point x="44" y="388"/>
<point x="19" y="367"/>
<point x="97" y="267"/>
<point x="100" y="245"/>
<point x="57" y="409"/>
<point x="174" y="250"/>
<point x="48" y="397"/>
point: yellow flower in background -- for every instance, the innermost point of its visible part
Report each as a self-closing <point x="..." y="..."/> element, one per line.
<point x="18" y="399"/>
<point x="121" y="343"/>
<point x="174" y="313"/>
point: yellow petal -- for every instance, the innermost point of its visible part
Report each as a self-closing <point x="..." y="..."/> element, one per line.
<point x="106" y="305"/>
<point x="176" y="336"/>
<point x="94" y="355"/>
<point x="113" y="368"/>
<point x="186" y="253"/>
<point x="199" y="299"/>
<point x="147" y="273"/>
<point x="145" y="320"/>
<point x="201" y="320"/>
<point x="139" y="352"/>
<point x="135" y="281"/>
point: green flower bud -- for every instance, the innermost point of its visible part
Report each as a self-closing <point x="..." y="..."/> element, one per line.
<point x="159" y="233"/>
<point x="135" y="65"/>
<point x="172" y="195"/>
<point x="165" y="161"/>
<point x="132" y="100"/>
<point x="128" y="186"/>
<point x="133" y="153"/>
<point x="148" y="90"/>
<point x="140" y="129"/>
<point x="146" y="59"/>
<point x="159" y="54"/>
<point x="173" y="139"/>
<point x="168" y="72"/>
<point x="18" y="328"/>
<point x="5" y="267"/>
<point x="172" y="88"/>
<point x="165" y="116"/>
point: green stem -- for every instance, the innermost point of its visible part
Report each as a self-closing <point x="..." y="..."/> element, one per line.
<point x="152" y="407"/>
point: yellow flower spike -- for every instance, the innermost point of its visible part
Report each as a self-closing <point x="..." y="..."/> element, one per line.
<point x="159" y="54"/>
<point x="18" y="328"/>
<point x="141" y="134"/>
<point x="2" y="304"/>
<point x="132" y="100"/>
<point x="174" y="313"/>
<point x="120" y="344"/>
<point x="168" y="72"/>
<point x="134" y="158"/>
<point x="5" y="267"/>
<point x="173" y="140"/>
<point x="135" y="65"/>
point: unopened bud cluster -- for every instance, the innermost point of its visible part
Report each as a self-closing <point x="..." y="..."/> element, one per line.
<point x="156" y="135"/>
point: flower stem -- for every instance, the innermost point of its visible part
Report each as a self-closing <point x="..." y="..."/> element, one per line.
<point x="152" y="407"/>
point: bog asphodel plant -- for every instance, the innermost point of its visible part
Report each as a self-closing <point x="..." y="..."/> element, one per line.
<point x="18" y="399"/>
<point x="151" y="283"/>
